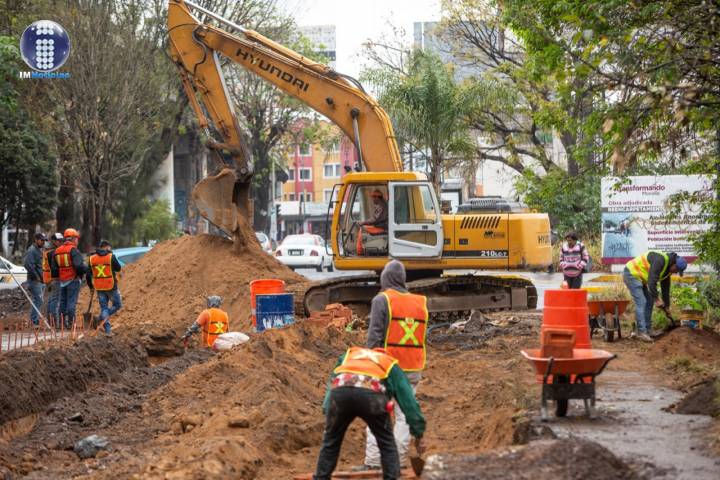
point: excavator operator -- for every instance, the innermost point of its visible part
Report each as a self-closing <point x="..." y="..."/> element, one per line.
<point x="377" y="224"/>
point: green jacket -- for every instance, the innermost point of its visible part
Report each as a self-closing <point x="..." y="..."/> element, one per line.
<point x="398" y="387"/>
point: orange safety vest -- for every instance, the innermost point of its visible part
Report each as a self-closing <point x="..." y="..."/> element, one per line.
<point x="64" y="261"/>
<point x="47" y="274"/>
<point x="102" y="276"/>
<point x="368" y="362"/>
<point x="405" y="337"/>
<point x="217" y="324"/>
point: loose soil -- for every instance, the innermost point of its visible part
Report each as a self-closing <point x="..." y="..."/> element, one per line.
<point x="543" y="460"/>
<point x="12" y="303"/>
<point x="698" y="344"/>
<point x="167" y="288"/>
<point x="254" y="412"/>
<point x="704" y="399"/>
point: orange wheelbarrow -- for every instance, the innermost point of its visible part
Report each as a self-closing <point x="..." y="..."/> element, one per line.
<point x="605" y="316"/>
<point x="565" y="379"/>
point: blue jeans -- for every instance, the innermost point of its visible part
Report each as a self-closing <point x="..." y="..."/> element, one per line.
<point x="53" y="299"/>
<point x="36" y="289"/>
<point x="643" y="302"/>
<point x="105" y="310"/>
<point x="68" y="301"/>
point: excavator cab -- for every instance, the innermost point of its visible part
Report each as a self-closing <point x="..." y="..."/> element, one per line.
<point x="385" y="217"/>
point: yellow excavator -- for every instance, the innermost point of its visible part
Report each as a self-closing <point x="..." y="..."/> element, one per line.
<point x="490" y="235"/>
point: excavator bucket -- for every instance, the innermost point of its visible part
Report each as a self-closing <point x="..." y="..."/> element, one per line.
<point x="225" y="202"/>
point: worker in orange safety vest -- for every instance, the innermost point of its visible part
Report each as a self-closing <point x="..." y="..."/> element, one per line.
<point x="101" y="276"/>
<point x="398" y="323"/>
<point x="69" y="263"/>
<point x="211" y="321"/>
<point x="366" y="383"/>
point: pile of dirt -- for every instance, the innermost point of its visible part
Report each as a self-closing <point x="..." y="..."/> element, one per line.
<point x="702" y="400"/>
<point x="572" y="458"/>
<point x="32" y="379"/>
<point x="245" y="413"/>
<point x="167" y="288"/>
<point x="12" y="303"/>
<point x="698" y="344"/>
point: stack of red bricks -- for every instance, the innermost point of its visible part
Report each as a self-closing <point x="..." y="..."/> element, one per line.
<point x="335" y="314"/>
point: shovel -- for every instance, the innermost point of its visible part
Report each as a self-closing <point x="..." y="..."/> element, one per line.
<point x="417" y="464"/>
<point x="673" y="324"/>
<point x="87" y="316"/>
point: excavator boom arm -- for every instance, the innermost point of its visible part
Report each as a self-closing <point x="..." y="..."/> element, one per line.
<point x="195" y="47"/>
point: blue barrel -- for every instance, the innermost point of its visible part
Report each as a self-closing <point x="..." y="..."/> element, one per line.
<point x="274" y="310"/>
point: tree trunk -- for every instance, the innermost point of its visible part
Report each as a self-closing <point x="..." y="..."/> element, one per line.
<point x="65" y="213"/>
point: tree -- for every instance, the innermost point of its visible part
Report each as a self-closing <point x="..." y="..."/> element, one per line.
<point x="157" y="224"/>
<point x="429" y="109"/>
<point x="28" y="181"/>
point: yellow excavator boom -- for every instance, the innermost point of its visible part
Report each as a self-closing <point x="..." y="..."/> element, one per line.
<point x="197" y="48"/>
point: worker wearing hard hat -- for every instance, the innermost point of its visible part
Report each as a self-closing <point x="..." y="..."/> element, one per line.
<point x="363" y="384"/>
<point x="398" y="322"/>
<point x="641" y="276"/>
<point x="70" y="266"/>
<point x="212" y="322"/>
<point x="375" y="225"/>
<point x="51" y="278"/>
<point x="101" y="276"/>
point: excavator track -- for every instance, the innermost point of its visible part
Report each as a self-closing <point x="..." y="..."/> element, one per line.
<point x="449" y="297"/>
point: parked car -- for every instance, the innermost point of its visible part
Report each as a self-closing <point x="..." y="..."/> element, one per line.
<point x="264" y="242"/>
<point x="19" y="272"/>
<point x="305" y="251"/>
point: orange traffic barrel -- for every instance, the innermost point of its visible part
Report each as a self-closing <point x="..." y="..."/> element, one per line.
<point x="261" y="287"/>
<point x="567" y="309"/>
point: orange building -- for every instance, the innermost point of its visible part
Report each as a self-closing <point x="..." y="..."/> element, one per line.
<point x="314" y="169"/>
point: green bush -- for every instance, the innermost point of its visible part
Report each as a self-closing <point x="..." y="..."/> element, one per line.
<point x="158" y="224"/>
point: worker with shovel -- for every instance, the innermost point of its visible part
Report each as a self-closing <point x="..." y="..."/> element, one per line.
<point x="398" y="323"/>
<point x="641" y="276"/>
<point x="212" y="321"/>
<point x="363" y="384"/>
<point x="101" y="277"/>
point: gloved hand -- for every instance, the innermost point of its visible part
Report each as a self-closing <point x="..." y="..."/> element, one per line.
<point x="419" y="446"/>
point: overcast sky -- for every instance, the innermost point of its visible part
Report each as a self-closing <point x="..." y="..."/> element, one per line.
<point x="359" y="20"/>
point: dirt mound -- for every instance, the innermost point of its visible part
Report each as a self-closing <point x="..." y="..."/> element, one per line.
<point x="572" y="458"/>
<point x="703" y="400"/>
<point x="258" y="404"/>
<point x="32" y="379"/>
<point x="166" y="289"/>
<point x="701" y="345"/>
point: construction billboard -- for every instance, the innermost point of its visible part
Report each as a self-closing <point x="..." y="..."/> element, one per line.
<point x="638" y="215"/>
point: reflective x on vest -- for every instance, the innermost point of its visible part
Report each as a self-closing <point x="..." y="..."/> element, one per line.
<point x="405" y="336"/>
<point x="363" y="361"/>
<point x="409" y="325"/>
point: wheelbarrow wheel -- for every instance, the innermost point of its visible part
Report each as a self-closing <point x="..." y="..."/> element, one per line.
<point x="561" y="404"/>
<point x="609" y="327"/>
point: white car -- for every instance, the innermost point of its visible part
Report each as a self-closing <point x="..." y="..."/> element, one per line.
<point x="6" y="279"/>
<point x="264" y="242"/>
<point x="305" y="251"/>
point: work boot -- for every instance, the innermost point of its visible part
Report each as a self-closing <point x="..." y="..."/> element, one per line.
<point x="645" y="337"/>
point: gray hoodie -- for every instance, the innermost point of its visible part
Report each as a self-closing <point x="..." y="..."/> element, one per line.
<point x="392" y="276"/>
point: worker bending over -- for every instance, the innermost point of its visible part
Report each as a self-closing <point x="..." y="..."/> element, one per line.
<point x="101" y="276"/>
<point x="363" y="384"/>
<point x="641" y="276"/>
<point x="398" y="322"/>
<point x="211" y="321"/>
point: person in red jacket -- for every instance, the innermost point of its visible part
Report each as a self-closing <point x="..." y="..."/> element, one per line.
<point x="70" y="266"/>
